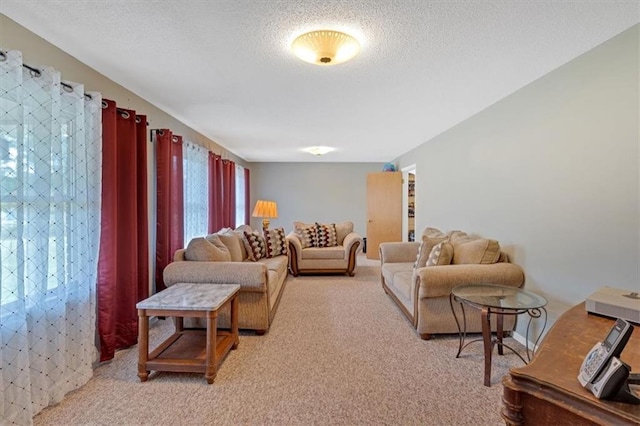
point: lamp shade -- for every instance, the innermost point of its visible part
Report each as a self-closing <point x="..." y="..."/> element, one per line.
<point x="268" y="209"/>
<point x="325" y="47"/>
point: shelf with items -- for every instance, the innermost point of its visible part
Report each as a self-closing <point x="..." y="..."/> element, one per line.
<point x="411" y="192"/>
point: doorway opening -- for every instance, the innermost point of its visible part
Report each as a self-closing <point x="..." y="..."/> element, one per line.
<point x="409" y="203"/>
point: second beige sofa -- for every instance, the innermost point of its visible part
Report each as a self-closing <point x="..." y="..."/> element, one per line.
<point x="422" y="292"/>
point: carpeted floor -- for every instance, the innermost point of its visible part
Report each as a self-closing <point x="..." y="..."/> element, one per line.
<point x="338" y="352"/>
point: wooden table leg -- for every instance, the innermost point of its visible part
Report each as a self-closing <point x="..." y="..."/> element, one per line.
<point x="234" y="321"/>
<point x="500" y="332"/>
<point x="212" y="338"/>
<point x="143" y="344"/>
<point x="486" y="338"/>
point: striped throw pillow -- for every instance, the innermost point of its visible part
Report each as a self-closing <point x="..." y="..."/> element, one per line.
<point x="255" y="245"/>
<point x="275" y="241"/>
<point x="441" y="254"/>
<point x="307" y="235"/>
<point x="327" y="236"/>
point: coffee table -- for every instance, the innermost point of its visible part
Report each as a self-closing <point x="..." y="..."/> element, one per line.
<point x="499" y="300"/>
<point x="188" y="350"/>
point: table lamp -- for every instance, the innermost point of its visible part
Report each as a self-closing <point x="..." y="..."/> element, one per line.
<point x="265" y="210"/>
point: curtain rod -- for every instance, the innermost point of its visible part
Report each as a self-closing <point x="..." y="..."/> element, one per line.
<point x="221" y="155"/>
<point x="35" y="72"/>
<point x="174" y="139"/>
<point x="123" y="112"/>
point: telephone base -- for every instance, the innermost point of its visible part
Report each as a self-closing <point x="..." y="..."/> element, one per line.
<point x="634" y="379"/>
<point x="626" y="395"/>
<point x="613" y="383"/>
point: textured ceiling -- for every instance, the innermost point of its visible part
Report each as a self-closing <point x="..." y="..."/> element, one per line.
<point x="224" y="68"/>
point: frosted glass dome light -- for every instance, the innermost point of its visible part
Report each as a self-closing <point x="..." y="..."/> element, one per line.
<point x="325" y="47"/>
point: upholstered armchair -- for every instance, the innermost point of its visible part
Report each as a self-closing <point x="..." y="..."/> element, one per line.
<point x="323" y="248"/>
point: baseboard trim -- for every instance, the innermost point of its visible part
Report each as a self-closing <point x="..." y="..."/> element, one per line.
<point x="523" y="341"/>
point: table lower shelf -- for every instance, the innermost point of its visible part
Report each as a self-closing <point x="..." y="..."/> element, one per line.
<point x="186" y="351"/>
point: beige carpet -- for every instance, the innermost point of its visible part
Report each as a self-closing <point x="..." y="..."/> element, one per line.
<point x="338" y="352"/>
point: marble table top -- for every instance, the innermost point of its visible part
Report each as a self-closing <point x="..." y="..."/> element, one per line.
<point x="190" y="297"/>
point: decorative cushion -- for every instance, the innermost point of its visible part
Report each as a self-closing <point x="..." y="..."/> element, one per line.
<point x="459" y="237"/>
<point x="307" y="235"/>
<point x="216" y="241"/>
<point x="234" y="243"/>
<point x="430" y="238"/>
<point x="432" y="232"/>
<point x="275" y="242"/>
<point x="243" y="228"/>
<point x="255" y="245"/>
<point x="478" y="251"/>
<point x="342" y="230"/>
<point x="297" y="224"/>
<point x="441" y="254"/>
<point x="243" y="249"/>
<point x="326" y="235"/>
<point x="201" y="250"/>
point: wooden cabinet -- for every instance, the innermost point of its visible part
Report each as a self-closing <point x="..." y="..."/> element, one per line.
<point x="384" y="210"/>
<point x="547" y="390"/>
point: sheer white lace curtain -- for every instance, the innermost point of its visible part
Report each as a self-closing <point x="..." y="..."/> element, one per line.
<point x="241" y="203"/>
<point x="50" y="180"/>
<point x="195" y="160"/>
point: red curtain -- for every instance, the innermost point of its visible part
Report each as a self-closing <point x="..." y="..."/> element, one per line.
<point x="247" y="198"/>
<point x="216" y="219"/>
<point x="229" y="193"/>
<point x="123" y="268"/>
<point x="170" y="214"/>
<point x="222" y="193"/>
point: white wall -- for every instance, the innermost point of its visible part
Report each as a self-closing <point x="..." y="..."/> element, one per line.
<point x="313" y="192"/>
<point x="552" y="173"/>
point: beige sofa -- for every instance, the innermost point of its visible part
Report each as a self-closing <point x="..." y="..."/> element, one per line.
<point x="261" y="282"/>
<point x="422" y="292"/>
<point x="336" y="254"/>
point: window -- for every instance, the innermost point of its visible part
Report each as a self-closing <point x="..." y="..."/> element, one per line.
<point x="50" y="179"/>
<point x="43" y="201"/>
<point x="240" y="191"/>
<point x="195" y="162"/>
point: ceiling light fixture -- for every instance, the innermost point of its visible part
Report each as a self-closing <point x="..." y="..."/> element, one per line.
<point x="325" y="47"/>
<point x="318" y="150"/>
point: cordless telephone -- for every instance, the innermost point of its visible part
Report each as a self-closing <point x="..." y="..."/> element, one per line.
<point x="603" y="373"/>
<point x="602" y="352"/>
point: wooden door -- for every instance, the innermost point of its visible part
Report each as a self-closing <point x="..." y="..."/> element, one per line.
<point x="384" y="210"/>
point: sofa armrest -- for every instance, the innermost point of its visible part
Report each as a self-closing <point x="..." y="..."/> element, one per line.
<point x="438" y="281"/>
<point x="252" y="276"/>
<point x="295" y="245"/>
<point x="398" y="252"/>
<point x="349" y="241"/>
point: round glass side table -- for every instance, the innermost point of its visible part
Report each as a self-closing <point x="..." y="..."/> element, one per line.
<point x="499" y="300"/>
